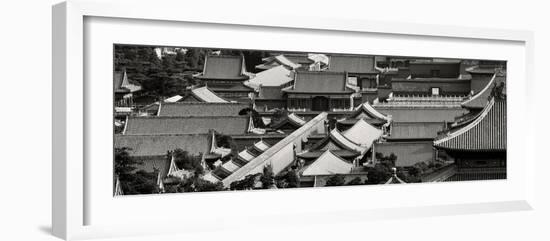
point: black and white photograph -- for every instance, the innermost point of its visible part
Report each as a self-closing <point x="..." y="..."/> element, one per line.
<point x="189" y="119"/>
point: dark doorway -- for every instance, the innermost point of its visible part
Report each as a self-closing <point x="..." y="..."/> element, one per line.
<point x="320" y="103"/>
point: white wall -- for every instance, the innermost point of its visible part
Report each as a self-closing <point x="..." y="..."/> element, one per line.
<point x="25" y="84"/>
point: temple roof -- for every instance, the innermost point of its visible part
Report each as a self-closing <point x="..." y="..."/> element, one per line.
<point x="280" y="155"/>
<point x="355" y="64"/>
<point x="480" y="99"/>
<point x="319" y="82"/>
<point x="206" y="95"/>
<point x="328" y="164"/>
<point x="298" y="58"/>
<point x="486" y="133"/>
<point x="187" y="109"/>
<point x="277" y="61"/>
<point x="159" y="145"/>
<point x="121" y="83"/>
<point x="336" y="138"/>
<point x="274" y="77"/>
<point x="394" y="179"/>
<point x="366" y="110"/>
<point x="150" y="125"/>
<point x="224" y="67"/>
<point x="363" y="133"/>
<point x="291" y="119"/>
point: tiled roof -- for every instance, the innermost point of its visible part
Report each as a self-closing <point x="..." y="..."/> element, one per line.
<point x="121" y="83"/>
<point x="335" y="138"/>
<point x="280" y="155"/>
<point x="480" y="99"/>
<point x="366" y="110"/>
<point x="395" y="180"/>
<point x="320" y="82"/>
<point x="352" y="64"/>
<point x="206" y="95"/>
<point x="187" y="109"/>
<point x="415" y="130"/>
<point x="223" y="67"/>
<point x="363" y="133"/>
<point x="228" y="125"/>
<point x="292" y="119"/>
<point x="159" y="145"/>
<point x="299" y="58"/>
<point x="328" y="164"/>
<point x="486" y="133"/>
<point x="279" y="60"/>
<point x="276" y="76"/>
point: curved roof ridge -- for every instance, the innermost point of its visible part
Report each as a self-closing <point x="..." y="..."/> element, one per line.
<point x="484" y="92"/>
<point x="347" y="142"/>
<point x="317" y="168"/>
<point x="205" y="94"/>
<point x="471" y="125"/>
<point x="369" y="109"/>
<point x="363" y="131"/>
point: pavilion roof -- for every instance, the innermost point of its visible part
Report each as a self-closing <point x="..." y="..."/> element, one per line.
<point x="204" y="94"/>
<point x="319" y="82"/>
<point x="363" y="133"/>
<point x="328" y="164"/>
<point x="279" y="61"/>
<point x="335" y="138"/>
<point x="486" y="133"/>
<point x="291" y="119"/>
<point x="224" y="67"/>
<point x="121" y="83"/>
<point x="357" y="64"/>
<point x="274" y="77"/>
<point x="366" y="110"/>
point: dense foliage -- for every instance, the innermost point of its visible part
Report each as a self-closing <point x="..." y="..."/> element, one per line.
<point x="132" y="181"/>
<point x="186" y="161"/>
<point x="336" y="180"/>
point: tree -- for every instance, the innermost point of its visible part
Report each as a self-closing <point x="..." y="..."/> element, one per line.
<point x="132" y="181"/>
<point x="292" y="178"/>
<point x="124" y="164"/>
<point x="226" y="141"/>
<point x="246" y="183"/>
<point x="378" y="174"/>
<point x="186" y="161"/>
<point x="355" y="181"/>
<point x="202" y="185"/>
<point x="268" y="177"/>
<point x="336" y="180"/>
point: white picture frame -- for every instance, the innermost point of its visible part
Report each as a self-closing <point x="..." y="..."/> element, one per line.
<point x="71" y="191"/>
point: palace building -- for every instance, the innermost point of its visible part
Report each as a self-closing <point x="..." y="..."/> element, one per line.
<point x="319" y="91"/>
<point x="224" y="75"/>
